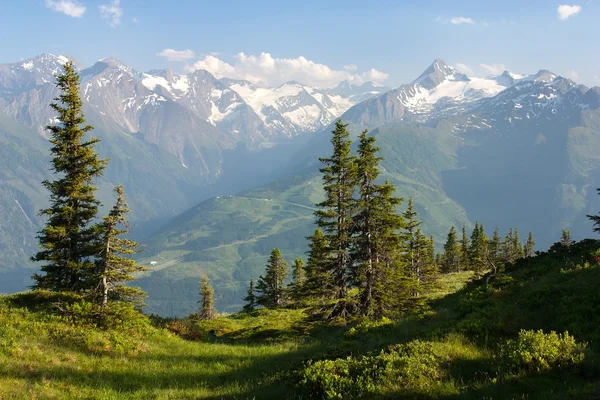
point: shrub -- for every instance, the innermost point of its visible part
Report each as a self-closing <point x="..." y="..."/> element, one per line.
<point x="115" y="316"/>
<point x="538" y="351"/>
<point x="343" y="378"/>
<point x="412" y="365"/>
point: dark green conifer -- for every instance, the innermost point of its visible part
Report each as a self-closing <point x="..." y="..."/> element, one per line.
<point x="318" y="285"/>
<point x="478" y="249"/>
<point x="250" y="298"/>
<point x="451" y="259"/>
<point x="69" y="238"/>
<point x="376" y="231"/>
<point x="113" y="267"/>
<point x="334" y="215"/>
<point x="271" y="287"/>
<point x="495" y="249"/>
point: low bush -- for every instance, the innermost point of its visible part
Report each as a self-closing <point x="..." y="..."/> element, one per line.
<point x="536" y="351"/>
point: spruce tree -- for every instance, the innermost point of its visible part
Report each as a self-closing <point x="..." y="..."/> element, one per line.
<point x="113" y="267"/>
<point x="318" y="285"/>
<point x="376" y="230"/>
<point x="334" y="215"/>
<point x="530" y="246"/>
<point x="412" y="225"/>
<point x="425" y="271"/>
<point x="451" y="258"/>
<point x="478" y="249"/>
<point x="271" y="287"/>
<point x="508" y="253"/>
<point x="517" y="246"/>
<point x="495" y="249"/>
<point x="298" y="279"/>
<point x="207" y="301"/>
<point x="465" y="264"/>
<point x="68" y="239"/>
<point x="250" y="298"/>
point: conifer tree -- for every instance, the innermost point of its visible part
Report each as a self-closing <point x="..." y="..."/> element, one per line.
<point x="334" y="215"/>
<point x="425" y="271"/>
<point x="376" y="229"/>
<point x="530" y="246"/>
<point x="271" y="286"/>
<point x="508" y="253"/>
<point x="464" y="250"/>
<point x="565" y="238"/>
<point x="495" y="248"/>
<point x="451" y="258"/>
<point x="68" y="239"/>
<point x="318" y="285"/>
<point x="298" y="279"/>
<point x="207" y="301"/>
<point x="517" y="246"/>
<point x="478" y="249"/>
<point x="412" y="225"/>
<point x="250" y="298"/>
<point x="113" y="267"/>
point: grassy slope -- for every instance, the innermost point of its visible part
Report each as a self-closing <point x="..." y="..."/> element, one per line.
<point x="244" y="356"/>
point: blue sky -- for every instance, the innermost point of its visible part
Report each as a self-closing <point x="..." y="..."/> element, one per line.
<point x="317" y="41"/>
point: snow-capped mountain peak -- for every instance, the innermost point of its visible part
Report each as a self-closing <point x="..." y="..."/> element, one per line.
<point x="439" y="72"/>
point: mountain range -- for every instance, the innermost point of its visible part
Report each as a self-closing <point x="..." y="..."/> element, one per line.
<point x="509" y="151"/>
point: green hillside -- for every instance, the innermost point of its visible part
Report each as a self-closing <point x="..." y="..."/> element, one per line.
<point x="464" y="344"/>
<point x="230" y="237"/>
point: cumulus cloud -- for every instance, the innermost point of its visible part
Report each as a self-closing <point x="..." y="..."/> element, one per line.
<point x="565" y="11"/>
<point x="464" y="68"/>
<point x="493" y="69"/>
<point x="68" y="7"/>
<point x="461" y="20"/>
<point x="266" y="70"/>
<point x="177" y="55"/>
<point x="112" y="12"/>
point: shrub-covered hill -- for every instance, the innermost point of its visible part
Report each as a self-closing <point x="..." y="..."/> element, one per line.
<point x="489" y="338"/>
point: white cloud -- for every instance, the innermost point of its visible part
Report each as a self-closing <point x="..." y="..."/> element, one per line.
<point x="565" y="11"/>
<point x="493" y="69"/>
<point x="266" y="70"/>
<point x="350" y="67"/>
<point x="177" y="55"/>
<point x="464" y="68"/>
<point x="572" y="74"/>
<point x="69" y="7"/>
<point x="112" y="12"/>
<point x="461" y="20"/>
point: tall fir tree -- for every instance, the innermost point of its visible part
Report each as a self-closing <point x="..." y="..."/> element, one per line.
<point x="207" y="300"/>
<point x="465" y="258"/>
<point x="425" y="271"/>
<point x="113" y="267"/>
<point x="376" y="230"/>
<point x="250" y="298"/>
<point x="517" y="246"/>
<point x="272" y="286"/>
<point x="451" y="258"/>
<point x="529" y="246"/>
<point x="68" y="240"/>
<point x="334" y="215"/>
